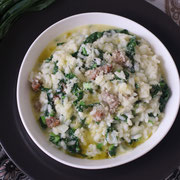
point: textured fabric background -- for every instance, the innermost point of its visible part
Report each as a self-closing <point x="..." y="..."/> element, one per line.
<point x="8" y="171"/>
<point x="171" y="7"/>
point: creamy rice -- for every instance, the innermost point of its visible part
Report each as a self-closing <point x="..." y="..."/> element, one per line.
<point x="99" y="91"/>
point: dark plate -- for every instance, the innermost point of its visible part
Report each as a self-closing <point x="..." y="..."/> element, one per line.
<point x="155" y="165"/>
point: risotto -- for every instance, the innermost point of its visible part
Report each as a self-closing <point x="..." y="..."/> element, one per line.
<point x="98" y="91"/>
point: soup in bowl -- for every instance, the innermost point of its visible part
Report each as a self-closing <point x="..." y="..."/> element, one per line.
<point x="98" y="91"/>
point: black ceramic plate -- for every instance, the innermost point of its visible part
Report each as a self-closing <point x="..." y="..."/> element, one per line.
<point x="155" y="165"/>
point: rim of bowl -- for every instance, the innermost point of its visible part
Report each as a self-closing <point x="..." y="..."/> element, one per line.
<point x="105" y="165"/>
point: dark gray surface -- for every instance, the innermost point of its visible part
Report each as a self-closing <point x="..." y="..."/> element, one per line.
<point x="155" y="165"/>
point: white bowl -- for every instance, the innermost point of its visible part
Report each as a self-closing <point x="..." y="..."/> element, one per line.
<point x="23" y="89"/>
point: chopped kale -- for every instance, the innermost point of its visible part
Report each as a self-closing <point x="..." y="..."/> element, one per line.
<point x="59" y="44"/>
<point x="133" y="112"/>
<point x="77" y="92"/>
<point x="71" y="131"/>
<point x="55" y="70"/>
<point x="130" y="51"/>
<point x="117" y="78"/>
<point x="52" y="114"/>
<point x="136" y="104"/>
<point x="60" y="89"/>
<point x="50" y="101"/>
<point x="116" y="118"/>
<point x="90" y="91"/>
<point x="138" y="101"/>
<point x="70" y="76"/>
<point x="63" y="96"/>
<point x="132" y="68"/>
<point x="83" y="123"/>
<point x="121" y="117"/>
<point x="54" y="138"/>
<point x="49" y="59"/>
<point x="164" y="89"/>
<point x="154" y="90"/>
<point x="133" y="141"/>
<point x="117" y="30"/>
<point x="94" y="65"/>
<point x="151" y="115"/>
<point x="84" y="52"/>
<point x="73" y="118"/>
<point x="76" y="102"/>
<point x="75" y="54"/>
<point x="42" y="121"/>
<point x="74" y="147"/>
<point x="75" y="89"/>
<point x="150" y="122"/>
<point x="100" y="54"/>
<point x="93" y="37"/>
<point x="44" y="89"/>
<point x="162" y="84"/>
<point x="136" y="85"/>
<point x="79" y="95"/>
<point x="125" y="31"/>
<point x="82" y="106"/>
<point x="166" y="92"/>
<point x="46" y="113"/>
<point x="99" y="146"/>
<point x="126" y="74"/>
<point x="110" y="129"/>
<point x="112" y="150"/>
